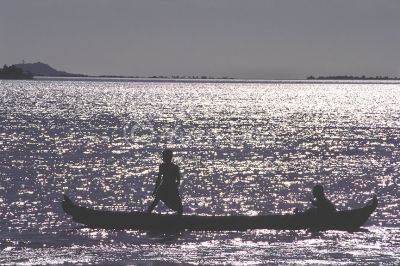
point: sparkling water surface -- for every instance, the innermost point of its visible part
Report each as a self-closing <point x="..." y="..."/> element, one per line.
<point x="243" y="148"/>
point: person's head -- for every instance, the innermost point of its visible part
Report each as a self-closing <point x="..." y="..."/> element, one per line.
<point x="167" y="155"/>
<point x="318" y="191"/>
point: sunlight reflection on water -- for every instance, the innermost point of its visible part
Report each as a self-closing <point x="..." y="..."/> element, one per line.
<point x="243" y="148"/>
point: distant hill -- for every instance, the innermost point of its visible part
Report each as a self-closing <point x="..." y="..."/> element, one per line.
<point x="41" y="69"/>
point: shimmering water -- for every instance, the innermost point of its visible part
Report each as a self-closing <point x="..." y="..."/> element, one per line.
<point x="247" y="148"/>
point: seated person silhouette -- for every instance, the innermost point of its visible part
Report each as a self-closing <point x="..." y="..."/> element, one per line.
<point x="321" y="203"/>
<point x="166" y="188"/>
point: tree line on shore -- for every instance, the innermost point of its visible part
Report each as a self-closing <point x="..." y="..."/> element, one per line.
<point x="13" y="72"/>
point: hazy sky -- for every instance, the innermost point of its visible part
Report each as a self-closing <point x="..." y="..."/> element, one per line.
<point x="243" y="39"/>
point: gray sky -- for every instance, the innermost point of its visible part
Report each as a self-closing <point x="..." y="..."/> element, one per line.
<point x="244" y="39"/>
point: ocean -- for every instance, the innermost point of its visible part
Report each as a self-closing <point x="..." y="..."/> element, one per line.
<point x="243" y="148"/>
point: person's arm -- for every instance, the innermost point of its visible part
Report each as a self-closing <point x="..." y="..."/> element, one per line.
<point x="314" y="203"/>
<point x="178" y="177"/>
<point x="158" y="181"/>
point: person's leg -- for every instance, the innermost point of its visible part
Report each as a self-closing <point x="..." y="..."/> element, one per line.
<point x="180" y="207"/>
<point x="174" y="202"/>
<point x="180" y="211"/>
<point x="153" y="205"/>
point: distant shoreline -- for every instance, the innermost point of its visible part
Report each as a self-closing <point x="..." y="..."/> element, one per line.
<point x="319" y="80"/>
<point x="41" y="70"/>
<point x="247" y="81"/>
<point x="352" y="78"/>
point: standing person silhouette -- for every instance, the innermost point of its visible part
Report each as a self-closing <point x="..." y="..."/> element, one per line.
<point x="166" y="187"/>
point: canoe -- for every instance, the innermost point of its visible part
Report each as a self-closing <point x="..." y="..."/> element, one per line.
<point x="346" y="220"/>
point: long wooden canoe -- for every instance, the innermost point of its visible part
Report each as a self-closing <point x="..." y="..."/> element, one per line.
<point x="347" y="220"/>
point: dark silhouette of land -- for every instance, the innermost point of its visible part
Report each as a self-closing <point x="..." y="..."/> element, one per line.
<point x="42" y="69"/>
<point x="13" y="72"/>
<point x="162" y="77"/>
<point x="345" y="77"/>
